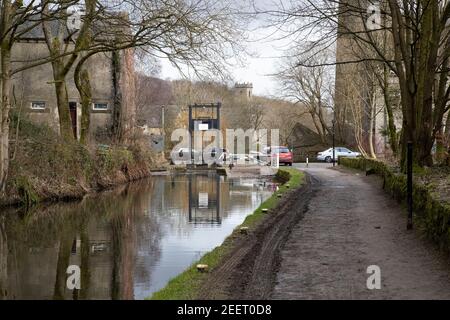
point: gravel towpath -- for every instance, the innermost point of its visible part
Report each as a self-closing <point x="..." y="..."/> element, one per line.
<point x="351" y="223"/>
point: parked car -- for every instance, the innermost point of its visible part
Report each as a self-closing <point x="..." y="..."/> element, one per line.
<point x="216" y="155"/>
<point x="285" y="155"/>
<point x="241" y="158"/>
<point x="261" y="157"/>
<point x="183" y="156"/>
<point x="221" y="152"/>
<point x="327" y="155"/>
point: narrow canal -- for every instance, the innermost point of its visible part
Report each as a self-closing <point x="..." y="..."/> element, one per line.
<point x="128" y="242"/>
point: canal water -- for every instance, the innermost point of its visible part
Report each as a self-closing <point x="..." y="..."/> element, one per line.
<point x="128" y="242"/>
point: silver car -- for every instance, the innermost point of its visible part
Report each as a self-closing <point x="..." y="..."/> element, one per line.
<point x="327" y="155"/>
<point x="183" y="156"/>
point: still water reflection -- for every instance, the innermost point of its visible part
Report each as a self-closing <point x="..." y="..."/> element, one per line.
<point x="128" y="242"/>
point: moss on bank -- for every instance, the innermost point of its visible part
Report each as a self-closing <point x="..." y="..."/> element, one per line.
<point x="45" y="167"/>
<point x="186" y="285"/>
<point x="431" y="216"/>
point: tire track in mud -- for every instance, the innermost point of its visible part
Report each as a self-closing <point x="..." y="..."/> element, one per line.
<point x="249" y="270"/>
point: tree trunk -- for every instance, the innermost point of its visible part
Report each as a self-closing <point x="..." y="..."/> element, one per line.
<point x="65" y="121"/>
<point x="3" y="259"/>
<point x="446" y="141"/>
<point x="373" y="154"/>
<point x="57" y="46"/>
<point x="318" y="127"/>
<point x="4" y="121"/>
<point x="82" y="81"/>
<point x="447" y="132"/>
<point x="392" y="129"/>
<point x="117" y="111"/>
<point x="65" y="245"/>
<point x="440" y="146"/>
<point x="84" y="265"/>
<point x="325" y="128"/>
<point x="426" y="136"/>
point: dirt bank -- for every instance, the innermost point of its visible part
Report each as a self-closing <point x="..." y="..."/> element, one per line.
<point x="44" y="167"/>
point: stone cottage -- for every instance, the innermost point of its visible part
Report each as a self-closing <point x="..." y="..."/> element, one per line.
<point x="112" y="82"/>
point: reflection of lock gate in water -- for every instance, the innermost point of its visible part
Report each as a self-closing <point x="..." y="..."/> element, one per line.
<point x="201" y="202"/>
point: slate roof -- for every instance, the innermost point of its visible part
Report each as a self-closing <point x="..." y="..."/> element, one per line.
<point x="305" y="137"/>
<point x="38" y="33"/>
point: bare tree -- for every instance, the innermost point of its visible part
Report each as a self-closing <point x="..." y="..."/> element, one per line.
<point x="59" y="44"/>
<point x="256" y="114"/>
<point x="310" y="88"/>
<point x="152" y="91"/>
<point x="244" y="114"/>
<point x="447" y="138"/>
<point x="201" y="35"/>
<point x="284" y="116"/>
<point x="418" y="34"/>
<point x="363" y="113"/>
<point x="16" y="21"/>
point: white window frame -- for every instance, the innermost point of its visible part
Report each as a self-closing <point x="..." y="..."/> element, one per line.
<point x="33" y="103"/>
<point x="100" y="109"/>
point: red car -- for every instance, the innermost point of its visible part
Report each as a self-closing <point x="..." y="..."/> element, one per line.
<point x="285" y="155"/>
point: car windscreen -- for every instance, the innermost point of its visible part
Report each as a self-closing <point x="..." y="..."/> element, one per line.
<point x="281" y="150"/>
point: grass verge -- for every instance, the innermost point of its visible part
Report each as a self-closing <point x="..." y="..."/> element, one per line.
<point x="185" y="286"/>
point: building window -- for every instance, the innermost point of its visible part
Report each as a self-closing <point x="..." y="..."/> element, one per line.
<point x="100" y="106"/>
<point x="38" y="105"/>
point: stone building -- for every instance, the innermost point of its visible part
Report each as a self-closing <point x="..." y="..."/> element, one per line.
<point x="112" y="82"/>
<point x="244" y="90"/>
<point x="357" y="92"/>
<point x="351" y="85"/>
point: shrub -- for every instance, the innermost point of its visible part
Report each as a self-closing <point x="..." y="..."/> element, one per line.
<point x="27" y="194"/>
<point x="282" y="176"/>
<point x="44" y="166"/>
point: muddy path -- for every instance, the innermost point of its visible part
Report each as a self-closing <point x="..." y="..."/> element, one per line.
<point x="320" y="241"/>
<point x="249" y="270"/>
<point x="352" y="224"/>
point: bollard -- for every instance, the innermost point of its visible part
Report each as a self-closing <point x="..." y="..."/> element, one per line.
<point x="202" y="267"/>
<point x="307" y="162"/>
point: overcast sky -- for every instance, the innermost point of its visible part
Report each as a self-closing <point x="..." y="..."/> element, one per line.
<point x="266" y="51"/>
<point x="258" y="69"/>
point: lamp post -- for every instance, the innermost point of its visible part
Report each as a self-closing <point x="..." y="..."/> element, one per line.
<point x="163" y="123"/>
<point x="334" y="143"/>
<point x="409" y="184"/>
<point x="162" y="141"/>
